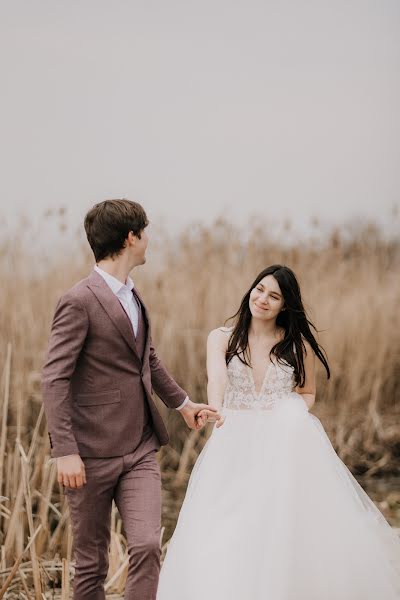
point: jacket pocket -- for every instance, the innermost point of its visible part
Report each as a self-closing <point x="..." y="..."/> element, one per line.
<point x="97" y="398"/>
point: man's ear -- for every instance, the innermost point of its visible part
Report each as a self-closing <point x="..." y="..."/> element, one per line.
<point x="132" y="238"/>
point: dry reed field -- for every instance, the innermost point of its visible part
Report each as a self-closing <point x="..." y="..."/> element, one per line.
<point x="192" y="283"/>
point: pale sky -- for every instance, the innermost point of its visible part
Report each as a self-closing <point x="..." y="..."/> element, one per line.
<point x="281" y="109"/>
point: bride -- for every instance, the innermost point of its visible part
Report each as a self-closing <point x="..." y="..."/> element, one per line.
<point x="271" y="512"/>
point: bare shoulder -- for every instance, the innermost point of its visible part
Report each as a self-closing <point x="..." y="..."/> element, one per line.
<point x="219" y="337"/>
<point x="309" y="351"/>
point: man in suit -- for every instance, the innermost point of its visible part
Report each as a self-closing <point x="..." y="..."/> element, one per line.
<point x="104" y="428"/>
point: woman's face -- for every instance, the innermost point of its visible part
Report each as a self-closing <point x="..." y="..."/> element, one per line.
<point x="266" y="299"/>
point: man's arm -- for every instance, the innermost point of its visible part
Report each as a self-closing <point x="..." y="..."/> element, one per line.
<point x="164" y="386"/>
<point x="186" y="400"/>
<point x="68" y="333"/>
<point x="174" y="396"/>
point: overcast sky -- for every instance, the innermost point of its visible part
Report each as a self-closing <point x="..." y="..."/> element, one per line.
<point x="284" y="109"/>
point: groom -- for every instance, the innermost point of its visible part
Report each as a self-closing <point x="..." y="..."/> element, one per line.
<point x="104" y="427"/>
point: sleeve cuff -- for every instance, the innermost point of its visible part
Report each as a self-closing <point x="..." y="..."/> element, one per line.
<point x="186" y="400"/>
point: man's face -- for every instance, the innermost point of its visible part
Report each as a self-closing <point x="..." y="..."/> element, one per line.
<point x="140" y="247"/>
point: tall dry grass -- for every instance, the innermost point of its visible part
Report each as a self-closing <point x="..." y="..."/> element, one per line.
<point x="191" y="284"/>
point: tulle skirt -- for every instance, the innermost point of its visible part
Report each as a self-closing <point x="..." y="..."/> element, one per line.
<point x="272" y="513"/>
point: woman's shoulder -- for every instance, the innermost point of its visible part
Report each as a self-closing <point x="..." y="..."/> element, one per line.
<point x="221" y="331"/>
<point x="307" y="345"/>
<point x="220" y="335"/>
<point x="225" y="330"/>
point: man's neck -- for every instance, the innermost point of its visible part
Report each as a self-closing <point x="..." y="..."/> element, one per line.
<point x="117" y="268"/>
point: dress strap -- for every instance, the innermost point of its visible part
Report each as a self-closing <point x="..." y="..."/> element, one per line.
<point x="227" y="330"/>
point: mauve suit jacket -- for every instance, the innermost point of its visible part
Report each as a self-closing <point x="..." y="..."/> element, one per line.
<point x="94" y="382"/>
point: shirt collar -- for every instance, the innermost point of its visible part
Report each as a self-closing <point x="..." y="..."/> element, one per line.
<point x="115" y="284"/>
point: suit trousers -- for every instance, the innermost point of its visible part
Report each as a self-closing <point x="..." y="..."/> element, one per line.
<point x="134" y="482"/>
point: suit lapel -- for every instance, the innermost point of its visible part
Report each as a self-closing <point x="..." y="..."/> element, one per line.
<point x="114" y="309"/>
<point x="146" y="321"/>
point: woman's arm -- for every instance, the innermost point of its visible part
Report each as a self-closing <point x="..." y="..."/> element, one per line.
<point x="217" y="376"/>
<point x="309" y="389"/>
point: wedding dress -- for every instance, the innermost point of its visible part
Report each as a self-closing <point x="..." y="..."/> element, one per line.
<point x="272" y="513"/>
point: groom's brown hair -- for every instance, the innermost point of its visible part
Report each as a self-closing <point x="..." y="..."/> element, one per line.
<point x="108" y="224"/>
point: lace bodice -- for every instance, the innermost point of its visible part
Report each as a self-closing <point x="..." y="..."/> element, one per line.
<point x="240" y="392"/>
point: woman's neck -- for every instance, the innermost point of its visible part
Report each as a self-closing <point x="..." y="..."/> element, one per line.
<point x="263" y="329"/>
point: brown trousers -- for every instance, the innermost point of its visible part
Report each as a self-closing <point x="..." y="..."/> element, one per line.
<point x="134" y="482"/>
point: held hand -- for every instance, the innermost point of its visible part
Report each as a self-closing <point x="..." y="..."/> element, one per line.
<point x="205" y="416"/>
<point x="71" y="471"/>
<point x="190" y="411"/>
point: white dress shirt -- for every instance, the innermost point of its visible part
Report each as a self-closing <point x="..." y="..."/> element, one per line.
<point x="124" y="293"/>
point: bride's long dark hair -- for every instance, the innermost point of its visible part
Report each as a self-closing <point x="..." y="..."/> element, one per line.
<point x="293" y="320"/>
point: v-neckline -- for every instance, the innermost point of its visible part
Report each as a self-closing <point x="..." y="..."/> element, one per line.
<point x="253" y="385"/>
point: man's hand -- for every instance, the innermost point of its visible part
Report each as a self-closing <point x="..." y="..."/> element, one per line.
<point x="206" y="415"/>
<point x="71" y="471"/>
<point x="191" y="410"/>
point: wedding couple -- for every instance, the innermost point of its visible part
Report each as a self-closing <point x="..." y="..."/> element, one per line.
<point x="271" y="512"/>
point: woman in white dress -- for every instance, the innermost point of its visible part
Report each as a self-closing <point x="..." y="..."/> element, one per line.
<point x="271" y="512"/>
